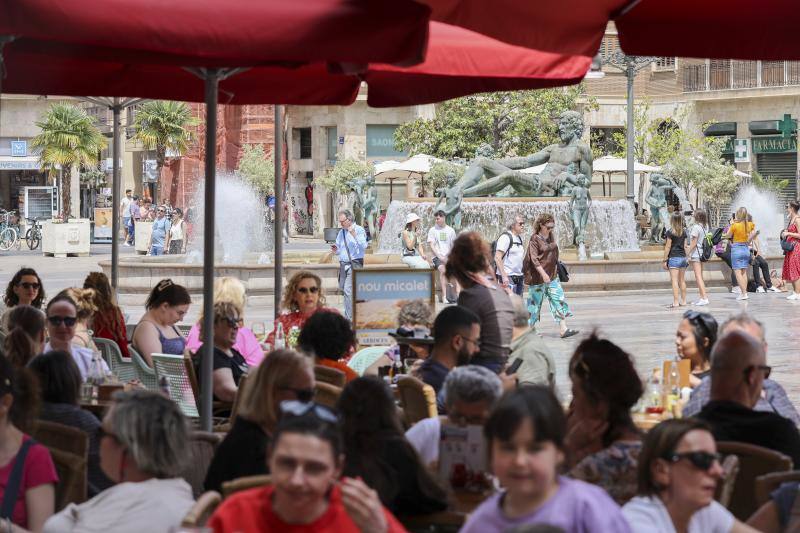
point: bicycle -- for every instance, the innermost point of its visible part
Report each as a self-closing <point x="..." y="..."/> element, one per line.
<point x="8" y="235"/>
<point x="33" y="237"/>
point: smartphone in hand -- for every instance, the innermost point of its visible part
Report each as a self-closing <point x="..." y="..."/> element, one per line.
<point x="512" y="369"/>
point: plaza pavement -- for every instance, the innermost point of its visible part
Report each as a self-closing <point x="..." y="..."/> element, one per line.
<point x="639" y="322"/>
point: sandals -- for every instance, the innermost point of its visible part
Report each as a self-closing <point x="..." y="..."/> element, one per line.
<point x="569" y="333"/>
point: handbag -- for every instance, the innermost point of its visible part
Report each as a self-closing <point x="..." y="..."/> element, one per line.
<point x="786" y="245"/>
<point x="563" y="273"/>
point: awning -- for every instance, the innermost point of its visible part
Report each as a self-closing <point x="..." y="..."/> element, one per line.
<point x="30" y="162"/>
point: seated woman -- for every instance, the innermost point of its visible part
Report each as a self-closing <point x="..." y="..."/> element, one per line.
<point x="62" y="315"/>
<point x="284" y="375"/>
<point x="525" y="435"/>
<point x="60" y="386"/>
<point x="25" y="288"/>
<point x="694" y="340"/>
<point x="678" y="473"/>
<point x="156" y="332"/>
<point x="143" y="443"/>
<point x="231" y="290"/>
<point x="229" y="364"/>
<point x="25" y="337"/>
<point x="108" y="321"/>
<point x="305" y="459"/>
<point x="376" y="451"/>
<point x="35" y="493"/>
<point x="84" y="300"/>
<point x="602" y="442"/>
<point x="414" y="314"/>
<point x="470" y="392"/>
<point x="302" y="298"/>
<point x="328" y="337"/>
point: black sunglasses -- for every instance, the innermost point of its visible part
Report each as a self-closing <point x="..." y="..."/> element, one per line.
<point x="299" y="408"/>
<point x="306" y="290"/>
<point x="234" y="322"/>
<point x="700" y="460"/>
<point x="767" y="370"/>
<point x="303" y="395"/>
<point x="68" y="321"/>
<point x="28" y="285"/>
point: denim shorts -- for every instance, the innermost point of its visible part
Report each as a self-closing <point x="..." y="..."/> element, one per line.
<point x="677" y="262"/>
<point x="740" y="255"/>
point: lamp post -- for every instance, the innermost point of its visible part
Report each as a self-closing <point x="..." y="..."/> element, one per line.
<point x="630" y="65"/>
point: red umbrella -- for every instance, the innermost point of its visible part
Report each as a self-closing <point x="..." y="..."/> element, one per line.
<point x="461" y="62"/>
<point x="742" y="29"/>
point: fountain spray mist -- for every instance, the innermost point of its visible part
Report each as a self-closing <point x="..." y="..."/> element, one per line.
<point x="767" y="214"/>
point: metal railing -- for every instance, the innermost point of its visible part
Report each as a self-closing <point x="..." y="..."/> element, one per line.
<point x="717" y="75"/>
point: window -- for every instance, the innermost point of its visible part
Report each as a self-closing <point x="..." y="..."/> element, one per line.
<point x="305" y="143"/>
<point x="663" y="63"/>
<point x="333" y="143"/>
<point x="380" y="141"/>
<point x="608" y="46"/>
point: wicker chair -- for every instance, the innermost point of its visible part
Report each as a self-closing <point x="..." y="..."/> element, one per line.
<point x="144" y="373"/>
<point x="330" y="375"/>
<point x="202" y="510"/>
<point x="219" y="407"/>
<point x="730" y="472"/>
<point x="61" y="437"/>
<point x="754" y="461"/>
<point x="327" y="394"/>
<point x="184" y="329"/>
<point x="768" y="482"/>
<point x="72" y="478"/>
<point x="417" y="399"/>
<point x="202" y="446"/>
<point x="244" y="483"/>
<point x="120" y="366"/>
<point x="181" y="391"/>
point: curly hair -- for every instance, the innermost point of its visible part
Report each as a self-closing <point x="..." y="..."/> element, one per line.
<point x="84" y="301"/>
<point x="288" y="301"/>
<point x="103" y="294"/>
<point x="574" y="119"/>
<point x="11" y="299"/>
<point x="326" y="335"/>
<point x="469" y="255"/>
<point x="415" y="313"/>
<point x="541" y="220"/>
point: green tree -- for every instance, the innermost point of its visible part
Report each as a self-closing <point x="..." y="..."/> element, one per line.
<point x="443" y="174"/>
<point x="163" y="125"/>
<point x="340" y="178"/>
<point x="257" y="168"/>
<point x="69" y="138"/>
<point x="518" y="122"/>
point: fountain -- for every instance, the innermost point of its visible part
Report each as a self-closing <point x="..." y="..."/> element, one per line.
<point x="765" y="207"/>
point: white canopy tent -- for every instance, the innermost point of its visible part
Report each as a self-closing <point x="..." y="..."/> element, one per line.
<point x="389" y="171"/>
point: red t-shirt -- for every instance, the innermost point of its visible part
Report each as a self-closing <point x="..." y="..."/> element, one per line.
<point x="349" y="373"/>
<point x="38" y="470"/>
<point x="251" y="511"/>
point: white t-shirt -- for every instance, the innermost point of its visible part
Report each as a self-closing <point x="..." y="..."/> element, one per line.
<point x="512" y="262"/>
<point x="176" y="231"/>
<point x="424" y="436"/>
<point x="83" y="357"/>
<point x="696" y="232"/>
<point x="647" y="514"/>
<point x="124" y="207"/>
<point x="443" y="237"/>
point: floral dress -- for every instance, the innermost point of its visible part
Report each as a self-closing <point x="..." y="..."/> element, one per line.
<point x="791" y="261"/>
<point x="613" y="469"/>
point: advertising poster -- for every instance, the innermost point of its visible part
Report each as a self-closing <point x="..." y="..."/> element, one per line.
<point x="378" y="295"/>
<point x="102" y="223"/>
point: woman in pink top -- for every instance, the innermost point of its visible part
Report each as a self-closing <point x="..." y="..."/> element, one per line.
<point x="231" y="290"/>
<point x="35" y="489"/>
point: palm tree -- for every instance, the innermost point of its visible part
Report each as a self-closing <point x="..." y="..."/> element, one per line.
<point x="69" y="137"/>
<point x="163" y="125"/>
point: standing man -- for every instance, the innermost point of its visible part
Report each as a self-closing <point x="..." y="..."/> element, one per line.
<point x="351" y="243"/>
<point x="161" y="227"/>
<point x="133" y="217"/>
<point x="508" y="256"/>
<point x="125" y="213"/>
<point x="440" y="239"/>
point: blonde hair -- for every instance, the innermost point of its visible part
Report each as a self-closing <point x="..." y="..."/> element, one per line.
<point x="288" y="302"/>
<point x="84" y="302"/>
<point x="222" y="310"/>
<point x="229" y="290"/>
<point x="676" y="223"/>
<point x="741" y="214"/>
<point x="258" y="403"/>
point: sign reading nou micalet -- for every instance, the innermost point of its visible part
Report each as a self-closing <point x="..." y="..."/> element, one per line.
<point x="378" y="295"/>
<point x="773" y="144"/>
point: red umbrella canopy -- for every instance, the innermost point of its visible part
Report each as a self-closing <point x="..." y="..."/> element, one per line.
<point x="461" y="62"/>
<point x="742" y="29"/>
<point x="210" y="33"/>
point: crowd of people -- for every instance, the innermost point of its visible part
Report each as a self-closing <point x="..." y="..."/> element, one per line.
<point x="169" y="231"/>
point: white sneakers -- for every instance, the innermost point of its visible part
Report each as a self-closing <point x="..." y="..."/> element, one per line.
<point x="701" y="301"/>
<point x="793" y="296"/>
<point x="760" y="289"/>
<point x="774" y="289"/>
<point x="743" y="297"/>
<point x="736" y="290"/>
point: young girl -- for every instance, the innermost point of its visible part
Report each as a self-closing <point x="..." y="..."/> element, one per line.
<point x="675" y="259"/>
<point x="741" y="234"/>
<point x="525" y="434"/>
<point x="697" y="240"/>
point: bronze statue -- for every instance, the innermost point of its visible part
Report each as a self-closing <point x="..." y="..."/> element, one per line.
<point x="657" y="200"/>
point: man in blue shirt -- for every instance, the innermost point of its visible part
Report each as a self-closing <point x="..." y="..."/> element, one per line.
<point x="161" y="226"/>
<point x="351" y="243"/>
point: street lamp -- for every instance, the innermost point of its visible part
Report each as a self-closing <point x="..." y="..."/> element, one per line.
<point x="630" y="65"/>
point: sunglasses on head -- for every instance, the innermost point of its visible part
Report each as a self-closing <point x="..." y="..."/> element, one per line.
<point x="700" y="460"/>
<point x="28" y="285"/>
<point x="68" y="321"/>
<point x="299" y="408"/>
<point x="306" y="290"/>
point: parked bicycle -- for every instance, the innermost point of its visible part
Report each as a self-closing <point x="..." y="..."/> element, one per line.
<point x="8" y="233"/>
<point x="33" y="237"/>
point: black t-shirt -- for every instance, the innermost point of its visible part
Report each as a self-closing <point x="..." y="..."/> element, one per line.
<point x="237" y="364"/>
<point x="677" y="248"/>
<point x="731" y="421"/>
<point x="243" y="452"/>
<point x="434" y="373"/>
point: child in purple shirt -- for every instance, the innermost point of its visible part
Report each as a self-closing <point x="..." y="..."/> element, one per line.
<point x="525" y="433"/>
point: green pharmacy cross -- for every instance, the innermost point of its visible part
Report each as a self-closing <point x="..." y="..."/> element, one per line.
<point x="788" y="125"/>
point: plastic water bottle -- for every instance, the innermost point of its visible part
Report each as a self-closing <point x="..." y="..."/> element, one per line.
<point x="96" y="376"/>
<point x="280" y="340"/>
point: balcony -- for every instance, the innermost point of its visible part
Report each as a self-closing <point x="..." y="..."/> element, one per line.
<point x="728" y="74"/>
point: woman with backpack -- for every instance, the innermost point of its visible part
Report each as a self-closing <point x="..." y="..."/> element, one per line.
<point x="699" y="252"/>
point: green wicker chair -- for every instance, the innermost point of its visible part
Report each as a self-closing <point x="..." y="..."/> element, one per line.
<point x="120" y="366"/>
<point x="180" y="386"/>
<point x="144" y="373"/>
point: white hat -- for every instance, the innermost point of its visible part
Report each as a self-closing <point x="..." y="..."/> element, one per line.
<point x="411" y="217"/>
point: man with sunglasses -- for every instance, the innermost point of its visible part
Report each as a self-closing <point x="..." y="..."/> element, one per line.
<point x="738" y="370"/>
<point x="158" y="236"/>
<point x="351" y="244"/>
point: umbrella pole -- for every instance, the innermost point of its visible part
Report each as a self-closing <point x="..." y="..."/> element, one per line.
<point x="211" y="81"/>
<point x="116" y="108"/>
<point x="279" y="223"/>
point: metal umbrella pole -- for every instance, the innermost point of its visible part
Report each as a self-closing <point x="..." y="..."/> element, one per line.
<point x="278" y="247"/>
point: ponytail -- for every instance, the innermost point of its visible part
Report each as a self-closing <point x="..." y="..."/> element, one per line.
<point x="19" y="348"/>
<point x="24" y="388"/>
